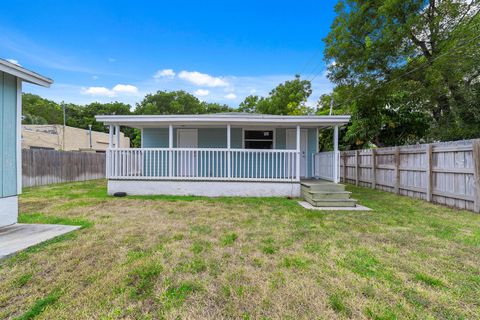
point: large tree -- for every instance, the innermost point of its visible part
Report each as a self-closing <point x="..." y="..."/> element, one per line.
<point x="406" y="69"/>
<point x="288" y="98"/>
<point x="176" y="102"/>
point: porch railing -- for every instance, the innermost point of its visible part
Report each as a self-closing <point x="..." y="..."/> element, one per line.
<point x="326" y="165"/>
<point x="202" y="164"/>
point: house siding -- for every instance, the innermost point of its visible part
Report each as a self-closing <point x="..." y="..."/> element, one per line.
<point x="217" y="138"/>
<point x="8" y="130"/>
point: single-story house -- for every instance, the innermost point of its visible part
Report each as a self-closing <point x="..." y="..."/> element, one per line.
<point x="11" y="78"/>
<point x="227" y="154"/>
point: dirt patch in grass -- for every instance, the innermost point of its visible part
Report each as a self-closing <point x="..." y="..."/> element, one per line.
<point x="223" y="258"/>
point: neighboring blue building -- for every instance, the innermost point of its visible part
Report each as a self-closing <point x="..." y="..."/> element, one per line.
<point x="229" y="154"/>
<point x="11" y="78"/>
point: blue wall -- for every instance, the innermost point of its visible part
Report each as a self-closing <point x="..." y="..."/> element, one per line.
<point x="8" y="135"/>
<point x="217" y="138"/>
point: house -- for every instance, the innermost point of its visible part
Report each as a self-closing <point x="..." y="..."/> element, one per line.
<point x="11" y="78"/>
<point x="58" y="137"/>
<point x="228" y="154"/>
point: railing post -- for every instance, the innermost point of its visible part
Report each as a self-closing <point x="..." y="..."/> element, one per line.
<point x="336" y="163"/>
<point x="229" y="158"/>
<point x="117" y="132"/>
<point x="298" y="153"/>
<point x="170" y="150"/>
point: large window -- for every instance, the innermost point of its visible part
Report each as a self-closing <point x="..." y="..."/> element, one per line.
<point x="258" y="139"/>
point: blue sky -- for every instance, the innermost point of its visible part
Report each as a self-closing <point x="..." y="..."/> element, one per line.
<point x="221" y="51"/>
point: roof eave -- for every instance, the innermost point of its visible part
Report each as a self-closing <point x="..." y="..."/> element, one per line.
<point x="24" y="74"/>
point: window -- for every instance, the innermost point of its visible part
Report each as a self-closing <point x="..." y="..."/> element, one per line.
<point x="258" y="139"/>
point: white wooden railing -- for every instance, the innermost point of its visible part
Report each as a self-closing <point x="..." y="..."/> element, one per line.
<point x="326" y="165"/>
<point x="202" y="164"/>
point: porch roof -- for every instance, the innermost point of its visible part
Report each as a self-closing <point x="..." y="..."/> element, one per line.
<point x="221" y="119"/>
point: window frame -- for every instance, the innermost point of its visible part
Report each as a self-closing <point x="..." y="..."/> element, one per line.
<point x="274" y="138"/>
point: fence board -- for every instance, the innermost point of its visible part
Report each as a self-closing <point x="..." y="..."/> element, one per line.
<point x="43" y="167"/>
<point x="446" y="173"/>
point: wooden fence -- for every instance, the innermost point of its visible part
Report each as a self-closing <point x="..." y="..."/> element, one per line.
<point x="42" y="167"/>
<point x="446" y="173"/>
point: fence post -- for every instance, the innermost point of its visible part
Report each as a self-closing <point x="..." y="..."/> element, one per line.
<point x="344" y="166"/>
<point x="428" y="157"/>
<point x="357" y="174"/>
<point x="397" y="170"/>
<point x="476" y="174"/>
<point x="374" y="175"/>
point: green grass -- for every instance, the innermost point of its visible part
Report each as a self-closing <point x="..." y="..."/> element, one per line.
<point x="171" y="257"/>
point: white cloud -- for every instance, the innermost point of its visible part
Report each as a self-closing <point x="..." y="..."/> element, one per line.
<point x="119" y="89"/>
<point x="231" y="96"/>
<point x="99" y="91"/>
<point x="94" y="77"/>
<point x="165" y="73"/>
<point x="112" y="59"/>
<point x="202" y="79"/>
<point x="125" y="88"/>
<point x="14" y="61"/>
<point x="202" y="92"/>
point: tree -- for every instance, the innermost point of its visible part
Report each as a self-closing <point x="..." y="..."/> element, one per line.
<point x="176" y="102"/>
<point x="406" y="67"/>
<point x="38" y="110"/>
<point x="288" y="98"/>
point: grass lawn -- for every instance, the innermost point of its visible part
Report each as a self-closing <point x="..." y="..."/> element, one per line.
<point x="196" y="258"/>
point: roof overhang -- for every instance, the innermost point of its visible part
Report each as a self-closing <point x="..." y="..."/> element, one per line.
<point x="209" y="120"/>
<point x="24" y="74"/>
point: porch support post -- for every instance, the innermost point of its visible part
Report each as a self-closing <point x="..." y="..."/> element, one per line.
<point x="336" y="163"/>
<point x="170" y="151"/>
<point x="229" y="157"/>
<point x="117" y="132"/>
<point x="110" y="136"/>
<point x="298" y="153"/>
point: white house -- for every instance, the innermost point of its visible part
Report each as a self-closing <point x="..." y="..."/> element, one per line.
<point x="227" y="154"/>
<point x="11" y="78"/>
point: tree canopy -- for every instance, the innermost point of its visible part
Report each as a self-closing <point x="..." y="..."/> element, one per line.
<point x="288" y="98"/>
<point x="406" y="70"/>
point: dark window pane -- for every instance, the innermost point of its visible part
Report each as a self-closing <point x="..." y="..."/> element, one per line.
<point x="252" y="144"/>
<point x="255" y="134"/>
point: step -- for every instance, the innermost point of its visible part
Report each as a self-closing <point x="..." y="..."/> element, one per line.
<point x="319" y="195"/>
<point x="326" y="187"/>
<point x="332" y="202"/>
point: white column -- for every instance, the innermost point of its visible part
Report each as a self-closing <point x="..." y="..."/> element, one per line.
<point x="110" y="136"/>
<point x="336" y="163"/>
<point x="229" y="159"/>
<point x="141" y="138"/>
<point x="298" y="153"/>
<point x="170" y="147"/>
<point x="117" y="132"/>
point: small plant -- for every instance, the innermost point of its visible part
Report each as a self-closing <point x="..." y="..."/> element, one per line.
<point x="336" y="303"/>
<point x="40" y="305"/>
<point x="174" y="296"/>
<point x="229" y="239"/>
<point x="142" y="279"/>
<point x="431" y="281"/>
<point x="22" y="280"/>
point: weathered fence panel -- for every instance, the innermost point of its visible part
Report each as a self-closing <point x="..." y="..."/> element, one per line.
<point x="446" y="173"/>
<point x="42" y="167"/>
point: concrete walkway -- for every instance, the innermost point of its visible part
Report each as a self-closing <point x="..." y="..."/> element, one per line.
<point x="21" y="236"/>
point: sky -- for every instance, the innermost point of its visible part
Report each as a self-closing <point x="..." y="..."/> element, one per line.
<point x="220" y="51"/>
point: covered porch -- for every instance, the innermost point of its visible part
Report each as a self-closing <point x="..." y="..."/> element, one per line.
<point x="224" y="148"/>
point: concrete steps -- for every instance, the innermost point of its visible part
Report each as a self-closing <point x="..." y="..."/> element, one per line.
<point x="321" y="193"/>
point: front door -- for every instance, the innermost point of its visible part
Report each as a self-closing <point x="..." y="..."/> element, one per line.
<point x="186" y="159"/>
<point x="291" y="144"/>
